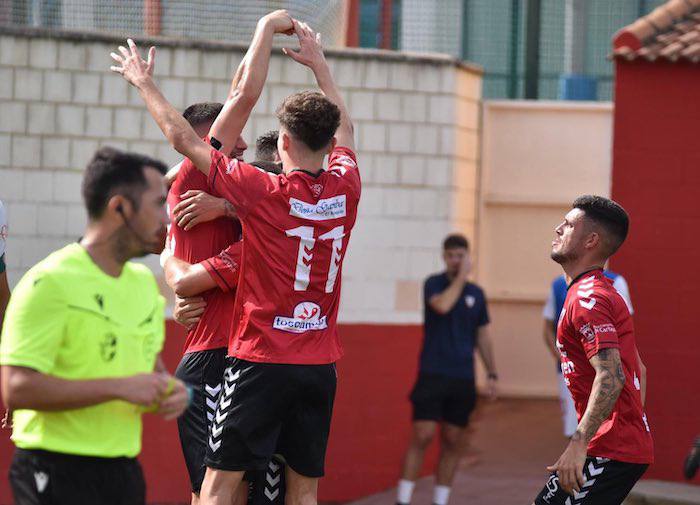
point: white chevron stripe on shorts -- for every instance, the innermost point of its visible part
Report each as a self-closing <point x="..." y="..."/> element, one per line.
<point x="593" y="469"/>
<point x="218" y="415"/>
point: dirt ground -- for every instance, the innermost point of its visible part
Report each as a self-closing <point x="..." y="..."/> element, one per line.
<point x="513" y="442"/>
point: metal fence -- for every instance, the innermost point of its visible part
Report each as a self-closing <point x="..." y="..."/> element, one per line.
<point x="231" y="21"/>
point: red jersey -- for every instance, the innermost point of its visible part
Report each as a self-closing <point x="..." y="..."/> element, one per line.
<point x="595" y="317"/>
<point x="209" y="244"/>
<point x="296" y="228"/>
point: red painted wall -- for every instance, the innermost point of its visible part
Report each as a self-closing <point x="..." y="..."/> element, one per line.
<point x="371" y="420"/>
<point x="656" y="176"/>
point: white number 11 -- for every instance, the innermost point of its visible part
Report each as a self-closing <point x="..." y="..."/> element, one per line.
<point x="305" y="256"/>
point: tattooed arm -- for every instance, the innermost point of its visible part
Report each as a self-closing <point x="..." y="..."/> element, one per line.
<point x="607" y="385"/>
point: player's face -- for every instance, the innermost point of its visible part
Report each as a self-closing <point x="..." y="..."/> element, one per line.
<point x="454" y="257"/>
<point x="569" y="242"/>
<point x="151" y="220"/>
<point x="239" y="148"/>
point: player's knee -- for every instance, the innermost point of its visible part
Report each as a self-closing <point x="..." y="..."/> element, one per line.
<point x="300" y="497"/>
<point x="423" y="438"/>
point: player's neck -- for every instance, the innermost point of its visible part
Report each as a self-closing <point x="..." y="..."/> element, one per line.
<point x="574" y="270"/>
<point x="105" y="250"/>
<point x="312" y="163"/>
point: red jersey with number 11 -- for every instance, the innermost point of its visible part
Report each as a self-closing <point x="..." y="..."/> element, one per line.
<point x="296" y="229"/>
<point x="596" y="317"/>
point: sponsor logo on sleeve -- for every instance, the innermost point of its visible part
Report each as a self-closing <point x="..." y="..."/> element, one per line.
<point x="307" y="317"/>
<point x="604" y="328"/>
<point x="326" y="208"/>
<point x="470" y="301"/>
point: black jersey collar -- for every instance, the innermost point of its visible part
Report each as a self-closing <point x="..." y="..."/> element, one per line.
<point x="575" y="280"/>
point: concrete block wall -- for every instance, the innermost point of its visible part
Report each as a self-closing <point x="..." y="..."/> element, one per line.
<point x="417" y="135"/>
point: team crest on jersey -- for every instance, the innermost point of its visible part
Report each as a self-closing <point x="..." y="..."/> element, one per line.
<point x="470" y="301"/>
<point x="587" y="331"/>
<point x="307" y="317"/>
<point x="326" y="208"/>
<point x="317" y="189"/>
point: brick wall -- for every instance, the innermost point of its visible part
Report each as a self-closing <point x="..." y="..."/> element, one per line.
<point x="416" y="120"/>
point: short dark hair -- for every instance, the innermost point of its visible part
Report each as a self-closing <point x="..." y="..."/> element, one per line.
<point x="310" y="117"/>
<point x="266" y="146"/>
<point x="112" y="172"/>
<point x="609" y="215"/>
<point x="201" y="113"/>
<point x="268" y="166"/>
<point x="455" y="241"/>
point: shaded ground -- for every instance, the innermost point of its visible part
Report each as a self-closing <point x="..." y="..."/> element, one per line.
<point x="513" y="440"/>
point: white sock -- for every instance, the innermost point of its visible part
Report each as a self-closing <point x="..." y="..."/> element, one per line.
<point x="441" y="494"/>
<point x="405" y="491"/>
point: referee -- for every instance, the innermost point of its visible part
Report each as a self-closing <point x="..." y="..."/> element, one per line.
<point x="81" y="338"/>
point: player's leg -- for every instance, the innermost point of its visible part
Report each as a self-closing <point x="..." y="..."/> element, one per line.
<point x="458" y="406"/>
<point x="300" y="490"/>
<point x="307" y="424"/>
<point x="203" y="371"/>
<point x="426" y="399"/>
<point x="245" y="429"/>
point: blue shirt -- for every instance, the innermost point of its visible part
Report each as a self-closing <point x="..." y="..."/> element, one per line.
<point x="449" y="340"/>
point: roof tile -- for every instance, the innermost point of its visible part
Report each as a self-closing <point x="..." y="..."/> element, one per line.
<point x="670" y="32"/>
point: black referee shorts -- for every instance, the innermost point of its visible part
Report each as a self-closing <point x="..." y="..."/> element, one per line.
<point x="50" y="478"/>
<point x="607" y="482"/>
<point x="204" y="372"/>
<point x="443" y="399"/>
<point x="269" y="408"/>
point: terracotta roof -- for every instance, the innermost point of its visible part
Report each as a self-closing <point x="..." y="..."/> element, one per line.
<point x="670" y="32"/>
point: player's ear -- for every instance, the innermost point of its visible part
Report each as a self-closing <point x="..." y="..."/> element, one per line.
<point x="285" y="141"/>
<point x="593" y="240"/>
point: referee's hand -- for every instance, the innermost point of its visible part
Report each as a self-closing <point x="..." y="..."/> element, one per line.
<point x="175" y="403"/>
<point x="144" y="389"/>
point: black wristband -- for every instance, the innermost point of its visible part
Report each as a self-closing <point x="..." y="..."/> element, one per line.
<point x="493" y="376"/>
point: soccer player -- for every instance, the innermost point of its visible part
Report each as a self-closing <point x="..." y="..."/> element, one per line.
<point x="82" y="336"/>
<point x="297" y="226"/>
<point x="551" y="311"/>
<point x="266" y="147"/>
<point x="456" y="319"/>
<point x="612" y="446"/>
<point x="204" y="246"/>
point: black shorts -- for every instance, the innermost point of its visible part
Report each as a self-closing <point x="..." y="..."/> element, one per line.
<point x="267" y="487"/>
<point x="269" y="408"/>
<point x="204" y="372"/>
<point x="608" y="482"/>
<point x="440" y="398"/>
<point x="49" y="478"/>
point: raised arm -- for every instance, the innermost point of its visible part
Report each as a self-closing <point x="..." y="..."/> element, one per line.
<point x="249" y="79"/>
<point x="310" y="54"/>
<point x="175" y="128"/>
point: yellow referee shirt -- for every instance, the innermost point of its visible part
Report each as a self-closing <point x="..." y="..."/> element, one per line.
<point x="69" y="319"/>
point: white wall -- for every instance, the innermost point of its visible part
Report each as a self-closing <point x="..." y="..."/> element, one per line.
<point x="537" y="158"/>
<point x="59" y="103"/>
